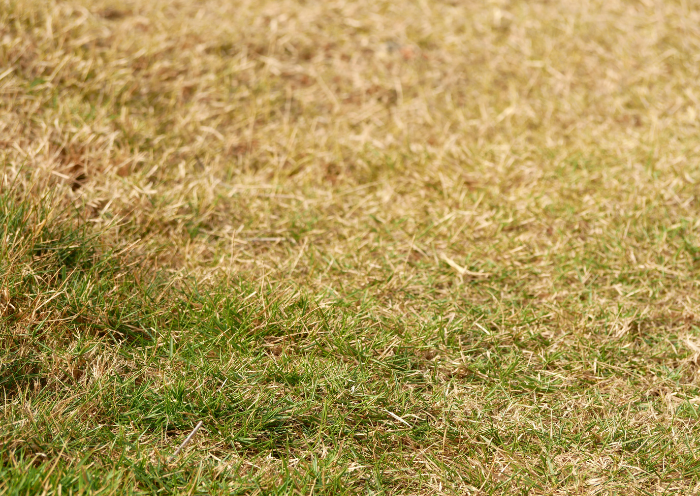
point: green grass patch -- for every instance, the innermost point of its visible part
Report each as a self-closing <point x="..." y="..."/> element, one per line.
<point x="107" y="365"/>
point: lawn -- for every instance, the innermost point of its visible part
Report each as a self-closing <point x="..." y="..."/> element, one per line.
<point x="374" y="247"/>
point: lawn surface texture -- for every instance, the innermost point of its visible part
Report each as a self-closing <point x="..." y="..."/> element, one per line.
<point x="375" y="247"/>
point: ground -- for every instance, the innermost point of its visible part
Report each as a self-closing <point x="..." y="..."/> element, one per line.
<point x="389" y="247"/>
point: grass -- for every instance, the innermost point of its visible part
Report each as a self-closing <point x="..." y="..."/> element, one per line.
<point x="375" y="247"/>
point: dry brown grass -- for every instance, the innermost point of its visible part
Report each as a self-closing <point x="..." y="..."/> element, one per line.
<point x="498" y="183"/>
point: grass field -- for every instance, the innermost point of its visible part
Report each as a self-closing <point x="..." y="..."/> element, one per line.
<point x="391" y="247"/>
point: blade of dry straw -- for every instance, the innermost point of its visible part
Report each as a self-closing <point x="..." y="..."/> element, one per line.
<point x="187" y="440"/>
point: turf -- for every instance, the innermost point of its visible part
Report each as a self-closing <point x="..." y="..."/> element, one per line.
<point x="430" y="247"/>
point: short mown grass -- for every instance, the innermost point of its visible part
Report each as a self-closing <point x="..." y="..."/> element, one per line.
<point x="373" y="247"/>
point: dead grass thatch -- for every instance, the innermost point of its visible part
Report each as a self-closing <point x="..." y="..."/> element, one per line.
<point x="444" y="246"/>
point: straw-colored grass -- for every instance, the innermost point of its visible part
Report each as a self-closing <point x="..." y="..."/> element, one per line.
<point x="375" y="247"/>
